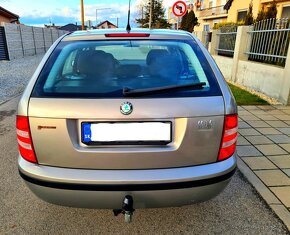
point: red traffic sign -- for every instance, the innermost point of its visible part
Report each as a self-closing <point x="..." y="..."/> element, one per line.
<point x="179" y="8"/>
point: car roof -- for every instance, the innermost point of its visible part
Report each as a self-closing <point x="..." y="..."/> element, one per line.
<point x="99" y="34"/>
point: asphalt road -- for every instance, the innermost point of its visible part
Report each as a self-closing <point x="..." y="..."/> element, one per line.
<point x="238" y="210"/>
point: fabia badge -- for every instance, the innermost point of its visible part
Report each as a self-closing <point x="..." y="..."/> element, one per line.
<point x="126" y="108"/>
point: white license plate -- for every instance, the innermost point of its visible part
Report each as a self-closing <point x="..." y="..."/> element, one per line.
<point x="126" y="132"/>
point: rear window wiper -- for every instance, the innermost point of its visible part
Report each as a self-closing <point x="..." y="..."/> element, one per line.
<point x="157" y="90"/>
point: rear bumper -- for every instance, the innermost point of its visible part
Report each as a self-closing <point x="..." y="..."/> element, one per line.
<point x="107" y="188"/>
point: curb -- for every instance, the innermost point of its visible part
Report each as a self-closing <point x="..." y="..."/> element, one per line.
<point x="277" y="207"/>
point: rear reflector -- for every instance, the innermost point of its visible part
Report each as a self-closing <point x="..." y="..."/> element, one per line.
<point x="25" y="145"/>
<point x="230" y="136"/>
<point x="123" y="35"/>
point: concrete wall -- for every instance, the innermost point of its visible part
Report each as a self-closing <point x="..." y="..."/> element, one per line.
<point x="225" y="64"/>
<point x="25" y="40"/>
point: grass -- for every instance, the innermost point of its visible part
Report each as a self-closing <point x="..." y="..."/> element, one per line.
<point x="244" y="97"/>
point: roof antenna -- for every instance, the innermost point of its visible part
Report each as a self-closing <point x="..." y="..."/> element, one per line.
<point x="128" y="28"/>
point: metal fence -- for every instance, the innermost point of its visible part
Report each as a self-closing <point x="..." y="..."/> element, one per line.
<point x="269" y="41"/>
<point x="227" y="40"/>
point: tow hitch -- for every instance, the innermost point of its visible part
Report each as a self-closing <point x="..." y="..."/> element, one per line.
<point x="127" y="209"/>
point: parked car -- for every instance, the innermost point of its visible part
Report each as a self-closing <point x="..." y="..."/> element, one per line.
<point x="141" y="118"/>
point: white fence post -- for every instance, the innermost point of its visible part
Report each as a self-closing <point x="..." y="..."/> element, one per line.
<point x="241" y="47"/>
<point x="285" y="92"/>
<point x="214" y="42"/>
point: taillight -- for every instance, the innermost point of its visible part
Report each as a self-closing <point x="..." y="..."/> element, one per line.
<point x="25" y="145"/>
<point x="230" y="136"/>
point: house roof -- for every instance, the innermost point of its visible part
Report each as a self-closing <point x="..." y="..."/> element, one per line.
<point x="106" y="21"/>
<point x="71" y="27"/>
<point x="7" y="13"/>
<point x="228" y="4"/>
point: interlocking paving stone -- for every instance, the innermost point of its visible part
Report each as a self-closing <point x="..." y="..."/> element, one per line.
<point x="243" y="125"/>
<point x="266" y="107"/>
<point x="247" y="151"/>
<point x="268" y="131"/>
<point x="258" y="112"/>
<point x="250" y="107"/>
<point x="249" y="117"/>
<point x="283" y="107"/>
<point x="273" y="177"/>
<point x="283" y="117"/>
<point x="286" y="147"/>
<point x="270" y="149"/>
<point x="258" y="124"/>
<point x="286" y="111"/>
<point x="277" y="124"/>
<point x="284" y="130"/>
<point x="280" y="139"/>
<point x="248" y="131"/>
<point x="240" y="108"/>
<point x="258" y="139"/>
<point x="275" y="112"/>
<point x="282" y="161"/>
<point x="283" y="193"/>
<point x="287" y="122"/>
<point x="287" y="172"/>
<point x="242" y="141"/>
<point x="244" y="112"/>
<point x="259" y="163"/>
<point x="267" y="117"/>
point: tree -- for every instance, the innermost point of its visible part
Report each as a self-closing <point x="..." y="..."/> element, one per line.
<point x="189" y="21"/>
<point x="158" y="16"/>
<point x="183" y="21"/>
<point x="249" y="20"/>
<point x="272" y="11"/>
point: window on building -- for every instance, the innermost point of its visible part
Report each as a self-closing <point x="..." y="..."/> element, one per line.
<point x="242" y="15"/>
<point x="286" y="12"/>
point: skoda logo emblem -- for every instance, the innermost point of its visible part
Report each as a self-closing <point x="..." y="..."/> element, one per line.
<point x="126" y="108"/>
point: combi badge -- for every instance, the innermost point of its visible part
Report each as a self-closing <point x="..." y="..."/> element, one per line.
<point x="126" y="108"/>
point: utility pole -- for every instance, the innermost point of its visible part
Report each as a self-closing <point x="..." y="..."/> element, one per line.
<point x="150" y="16"/>
<point x="118" y="22"/>
<point x="82" y="15"/>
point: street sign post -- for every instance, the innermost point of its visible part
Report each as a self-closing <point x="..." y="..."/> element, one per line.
<point x="179" y="9"/>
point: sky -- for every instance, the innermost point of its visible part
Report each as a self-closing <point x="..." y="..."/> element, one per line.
<point x="61" y="12"/>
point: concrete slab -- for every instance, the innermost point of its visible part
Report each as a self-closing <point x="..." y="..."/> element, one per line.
<point x="270" y="149"/>
<point x="247" y="151"/>
<point x="258" y="139"/>
<point x="277" y="124"/>
<point x="286" y="147"/>
<point x="282" y="161"/>
<point x="273" y="177"/>
<point x="284" y="130"/>
<point x="259" y="163"/>
<point x="266" y="117"/>
<point x="268" y="131"/>
<point x="287" y="172"/>
<point x="243" y="125"/>
<point x="256" y="124"/>
<point x="248" y="131"/>
<point x="279" y="139"/>
<point x="283" y="193"/>
<point x="283" y="117"/>
<point x="242" y="141"/>
<point x="249" y="117"/>
<point x="282" y="212"/>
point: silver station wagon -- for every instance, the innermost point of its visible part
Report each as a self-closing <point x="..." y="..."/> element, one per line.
<point x="124" y="120"/>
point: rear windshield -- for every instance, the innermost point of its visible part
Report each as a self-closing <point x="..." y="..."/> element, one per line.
<point x="102" y="69"/>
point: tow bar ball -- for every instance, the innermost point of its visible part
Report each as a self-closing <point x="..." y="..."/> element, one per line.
<point x="127" y="209"/>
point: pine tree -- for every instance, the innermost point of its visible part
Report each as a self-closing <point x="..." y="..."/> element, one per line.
<point x="191" y="21"/>
<point x="272" y="11"/>
<point x="183" y="21"/>
<point x="249" y="20"/>
<point x="158" y="16"/>
<point x="261" y="15"/>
